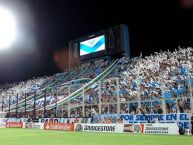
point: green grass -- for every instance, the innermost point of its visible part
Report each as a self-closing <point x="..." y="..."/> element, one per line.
<point x="41" y="137"/>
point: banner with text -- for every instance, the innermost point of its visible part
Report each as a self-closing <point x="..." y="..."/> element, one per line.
<point x="34" y="125"/>
<point x="111" y="128"/>
<point x="152" y="128"/>
<point x="59" y="126"/>
<point x="65" y="120"/>
<point x="161" y="128"/>
<point x="182" y="119"/>
<point x="14" y="125"/>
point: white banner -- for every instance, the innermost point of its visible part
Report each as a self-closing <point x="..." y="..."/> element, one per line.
<point x="144" y="128"/>
<point x="161" y="128"/>
<point x="111" y="128"/>
<point x="152" y="128"/>
<point x="65" y="120"/>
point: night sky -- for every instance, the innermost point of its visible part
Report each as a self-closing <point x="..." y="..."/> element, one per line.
<point x="45" y="26"/>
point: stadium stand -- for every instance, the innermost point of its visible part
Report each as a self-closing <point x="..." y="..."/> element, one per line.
<point x="156" y="84"/>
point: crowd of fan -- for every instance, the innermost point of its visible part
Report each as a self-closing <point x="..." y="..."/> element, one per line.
<point x="160" y="83"/>
<point x="11" y="93"/>
<point x="156" y="84"/>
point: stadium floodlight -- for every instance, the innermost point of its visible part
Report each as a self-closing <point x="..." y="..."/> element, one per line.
<point x="7" y="28"/>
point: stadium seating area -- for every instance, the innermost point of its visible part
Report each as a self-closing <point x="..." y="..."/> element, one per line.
<point x="156" y="84"/>
<point x="165" y="75"/>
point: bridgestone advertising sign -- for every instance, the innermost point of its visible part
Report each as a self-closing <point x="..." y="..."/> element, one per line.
<point x="112" y="128"/>
<point x="148" y="128"/>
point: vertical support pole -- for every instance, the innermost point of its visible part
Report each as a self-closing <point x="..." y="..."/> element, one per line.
<point x="62" y="111"/>
<point x="9" y="105"/>
<point x="100" y="93"/>
<point x="117" y="95"/>
<point x="25" y="105"/>
<point x="138" y="93"/>
<point x="17" y="106"/>
<point x="162" y="94"/>
<point x="34" y="111"/>
<point x="69" y="101"/>
<point x="83" y="106"/>
<point x="56" y="97"/>
<point x="45" y="104"/>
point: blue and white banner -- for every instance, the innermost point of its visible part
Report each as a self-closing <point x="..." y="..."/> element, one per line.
<point x="183" y="119"/>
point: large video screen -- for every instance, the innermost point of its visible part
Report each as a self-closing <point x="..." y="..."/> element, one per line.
<point x="92" y="45"/>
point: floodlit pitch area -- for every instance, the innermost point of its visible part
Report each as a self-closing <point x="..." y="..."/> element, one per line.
<point x="40" y="137"/>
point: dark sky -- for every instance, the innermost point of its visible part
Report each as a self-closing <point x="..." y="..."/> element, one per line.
<point x="47" y="25"/>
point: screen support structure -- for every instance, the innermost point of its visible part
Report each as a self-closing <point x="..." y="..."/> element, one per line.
<point x="69" y="54"/>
